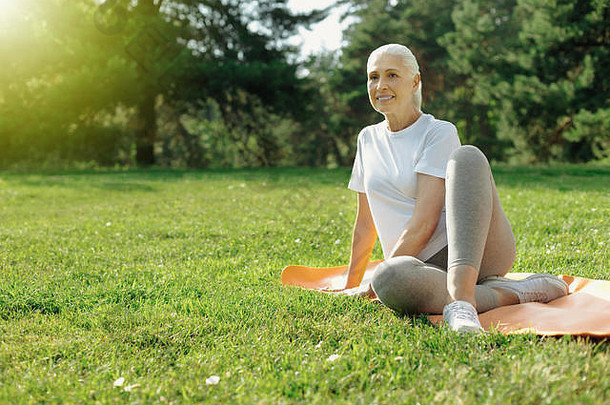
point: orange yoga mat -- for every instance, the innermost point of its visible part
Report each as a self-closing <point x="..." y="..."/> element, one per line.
<point x="584" y="312"/>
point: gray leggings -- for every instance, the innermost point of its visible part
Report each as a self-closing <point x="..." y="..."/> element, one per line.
<point x="478" y="235"/>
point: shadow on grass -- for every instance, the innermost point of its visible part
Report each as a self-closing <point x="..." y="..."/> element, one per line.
<point x="149" y="180"/>
<point x="71" y="182"/>
<point x="561" y="177"/>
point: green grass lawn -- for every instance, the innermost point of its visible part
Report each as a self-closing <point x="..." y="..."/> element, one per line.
<point x="168" y="278"/>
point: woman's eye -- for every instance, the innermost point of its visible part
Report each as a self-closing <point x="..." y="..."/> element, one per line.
<point x="393" y="75"/>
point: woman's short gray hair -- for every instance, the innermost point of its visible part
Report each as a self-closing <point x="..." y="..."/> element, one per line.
<point x="408" y="59"/>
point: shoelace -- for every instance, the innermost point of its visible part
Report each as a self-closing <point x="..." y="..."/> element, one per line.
<point x="462" y="313"/>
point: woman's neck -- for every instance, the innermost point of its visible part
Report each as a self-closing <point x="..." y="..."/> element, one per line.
<point x="400" y="122"/>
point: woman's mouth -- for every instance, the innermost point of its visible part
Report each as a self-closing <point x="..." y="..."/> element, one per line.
<point x="384" y="98"/>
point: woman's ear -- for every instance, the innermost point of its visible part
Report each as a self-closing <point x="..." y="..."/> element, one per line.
<point x="416" y="80"/>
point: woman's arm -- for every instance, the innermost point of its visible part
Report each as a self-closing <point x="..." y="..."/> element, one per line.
<point x="429" y="202"/>
<point x="363" y="242"/>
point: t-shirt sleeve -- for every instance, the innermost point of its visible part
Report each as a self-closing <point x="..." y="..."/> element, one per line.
<point x="439" y="145"/>
<point x="356" y="182"/>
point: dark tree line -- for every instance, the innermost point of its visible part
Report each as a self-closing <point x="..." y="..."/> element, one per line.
<point x="215" y="84"/>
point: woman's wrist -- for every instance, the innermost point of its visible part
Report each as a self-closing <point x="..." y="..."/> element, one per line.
<point x="353" y="280"/>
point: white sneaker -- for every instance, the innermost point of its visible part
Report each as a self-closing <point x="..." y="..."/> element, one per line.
<point x="535" y="288"/>
<point x="462" y="317"/>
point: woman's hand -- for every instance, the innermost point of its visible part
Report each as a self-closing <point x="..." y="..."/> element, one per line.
<point x="363" y="291"/>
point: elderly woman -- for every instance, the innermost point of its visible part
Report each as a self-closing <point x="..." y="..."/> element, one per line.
<point x="434" y="205"/>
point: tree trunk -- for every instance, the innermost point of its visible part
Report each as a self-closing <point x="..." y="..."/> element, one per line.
<point x="146" y="133"/>
<point x="147" y="130"/>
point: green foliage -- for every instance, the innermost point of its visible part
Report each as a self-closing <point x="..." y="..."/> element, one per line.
<point x="513" y="75"/>
<point x="592" y="129"/>
<point x="248" y="135"/>
<point x="241" y="61"/>
<point x="166" y="278"/>
<point x="114" y="82"/>
<point x="535" y="64"/>
<point x="72" y="62"/>
<point x="57" y="81"/>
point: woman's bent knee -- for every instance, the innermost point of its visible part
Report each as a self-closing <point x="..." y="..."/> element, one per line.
<point x="469" y="154"/>
<point x="395" y="282"/>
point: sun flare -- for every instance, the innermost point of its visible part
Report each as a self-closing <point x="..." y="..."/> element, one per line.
<point x="8" y="7"/>
<point x="10" y="14"/>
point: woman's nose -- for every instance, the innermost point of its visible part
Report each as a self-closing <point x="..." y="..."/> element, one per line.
<point x="382" y="84"/>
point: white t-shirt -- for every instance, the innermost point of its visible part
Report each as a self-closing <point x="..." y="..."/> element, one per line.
<point x="386" y="168"/>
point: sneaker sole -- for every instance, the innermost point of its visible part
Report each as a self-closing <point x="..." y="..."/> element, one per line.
<point x="470" y="330"/>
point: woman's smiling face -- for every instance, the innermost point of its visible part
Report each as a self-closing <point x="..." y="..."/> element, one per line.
<point x="391" y="85"/>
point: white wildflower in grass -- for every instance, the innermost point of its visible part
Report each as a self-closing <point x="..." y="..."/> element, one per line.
<point x="337" y="241"/>
<point x="108" y="223"/>
<point x="333" y="357"/>
<point x="213" y="380"/>
<point x="119" y="382"/>
<point x="297" y="240"/>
